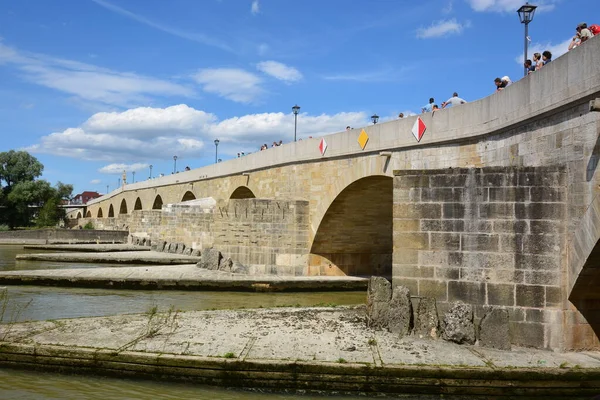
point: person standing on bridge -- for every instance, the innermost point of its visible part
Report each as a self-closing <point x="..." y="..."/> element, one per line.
<point x="453" y="101"/>
<point x="428" y="107"/>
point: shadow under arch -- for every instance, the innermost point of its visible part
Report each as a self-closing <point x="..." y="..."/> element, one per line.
<point x="78" y="215"/>
<point x="355" y="234"/>
<point x="138" y="204"/>
<point x="158" y="203"/>
<point x="88" y="214"/>
<point x="123" y="208"/>
<point x="188" y="196"/>
<point x="99" y="215"/>
<point x="111" y="212"/>
<point x="584" y="278"/>
<point x="242" y="192"/>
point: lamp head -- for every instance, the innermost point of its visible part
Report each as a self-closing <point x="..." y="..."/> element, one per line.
<point x="374" y="118"/>
<point x="296" y="109"/>
<point x="526" y="13"/>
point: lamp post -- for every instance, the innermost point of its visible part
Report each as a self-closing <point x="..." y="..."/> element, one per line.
<point x="106" y="189"/>
<point x="150" y="171"/>
<point x="295" y="110"/>
<point x="374" y="118"/>
<point x="174" y="164"/>
<point x="216" y="151"/>
<point x="133" y="176"/>
<point x="526" y="13"/>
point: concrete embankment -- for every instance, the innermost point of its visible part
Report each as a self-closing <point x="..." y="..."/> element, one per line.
<point x="124" y="257"/>
<point x="293" y="349"/>
<point x="91" y="248"/>
<point x="178" y="277"/>
<point x="43" y="236"/>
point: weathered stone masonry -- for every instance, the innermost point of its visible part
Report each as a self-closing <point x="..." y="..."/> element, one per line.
<point x="489" y="237"/>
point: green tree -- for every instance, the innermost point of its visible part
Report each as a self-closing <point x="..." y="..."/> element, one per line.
<point x="23" y="199"/>
<point x="18" y="166"/>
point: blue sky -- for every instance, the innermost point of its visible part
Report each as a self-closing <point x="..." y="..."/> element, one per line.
<point x="92" y="87"/>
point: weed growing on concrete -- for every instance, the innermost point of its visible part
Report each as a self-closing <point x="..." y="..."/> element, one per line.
<point x="325" y="305"/>
<point x="157" y="324"/>
<point x="564" y="365"/>
<point x="229" y="355"/>
<point x="372" y="342"/>
<point x="341" y="360"/>
<point x="8" y="321"/>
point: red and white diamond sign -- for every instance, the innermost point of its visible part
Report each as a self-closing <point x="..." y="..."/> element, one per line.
<point x="322" y="146"/>
<point x="418" y="129"/>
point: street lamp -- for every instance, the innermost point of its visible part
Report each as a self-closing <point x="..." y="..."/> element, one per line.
<point x="374" y="118"/>
<point x="295" y="110"/>
<point x="150" y="171"/>
<point x="133" y="176"/>
<point x="216" y="151"/>
<point x="174" y="164"/>
<point x="106" y="189"/>
<point x="526" y="13"/>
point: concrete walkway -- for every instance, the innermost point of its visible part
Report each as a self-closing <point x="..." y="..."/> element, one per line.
<point x="177" y="277"/>
<point x="123" y="257"/>
<point x="289" y="348"/>
<point x="93" y="248"/>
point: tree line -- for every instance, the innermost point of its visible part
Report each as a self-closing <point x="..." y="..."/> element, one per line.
<point x="25" y="200"/>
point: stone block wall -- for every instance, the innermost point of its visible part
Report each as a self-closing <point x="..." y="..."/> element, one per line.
<point x="489" y="237"/>
<point x="271" y="235"/>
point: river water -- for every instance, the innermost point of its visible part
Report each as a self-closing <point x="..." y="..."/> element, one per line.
<point x="40" y="303"/>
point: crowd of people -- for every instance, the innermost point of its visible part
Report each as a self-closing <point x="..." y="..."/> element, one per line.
<point x="275" y="144"/>
<point x="432" y="106"/>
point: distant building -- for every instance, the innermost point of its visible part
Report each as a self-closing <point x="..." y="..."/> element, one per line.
<point x="84" y="197"/>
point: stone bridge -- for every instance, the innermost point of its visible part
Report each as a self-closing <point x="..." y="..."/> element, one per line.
<point x="497" y="205"/>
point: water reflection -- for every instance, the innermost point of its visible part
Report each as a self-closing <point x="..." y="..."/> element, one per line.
<point x="25" y="385"/>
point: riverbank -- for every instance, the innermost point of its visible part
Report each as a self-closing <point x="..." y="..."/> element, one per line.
<point x="51" y="235"/>
<point x="90" y="247"/>
<point x="118" y="257"/>
<point x="177" y="277"/>
<point x="292" y="349"/>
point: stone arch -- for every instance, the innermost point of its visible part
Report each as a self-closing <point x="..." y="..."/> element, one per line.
<point x="158" y="203"/>
<point x="355" y="234"/>
<point x="78" y="214"/>
<point x="88" y="214"/>
<point x="138" y="204"/>
<point x="111" y="212"/>
<point x="242" y="192"/>
<point x="123" y="208"/>
<point x="584" y="278"/>
<point x="188" y="196"/>
<point x="361" y="168"/>
<point x="99" y="215"/>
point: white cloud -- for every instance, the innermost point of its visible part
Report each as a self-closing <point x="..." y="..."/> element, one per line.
<point x="144" y="134"/>
<point x="442" y="28"/>
<point x="508" y="5"/>
<point x="279" y="71"/>
<point x="255" y="9"/>
<point x="231" y="83"/>
<point x="88" y="82"/>
<point x="119" y="168"/>
<point x="557" y="50"/>
<point x="147" y="122"/>
<point x="195" y="37"/>
<point x="95" y="181"/>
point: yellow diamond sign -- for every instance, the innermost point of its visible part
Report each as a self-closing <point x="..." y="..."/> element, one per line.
<point x="363" y="138"/>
